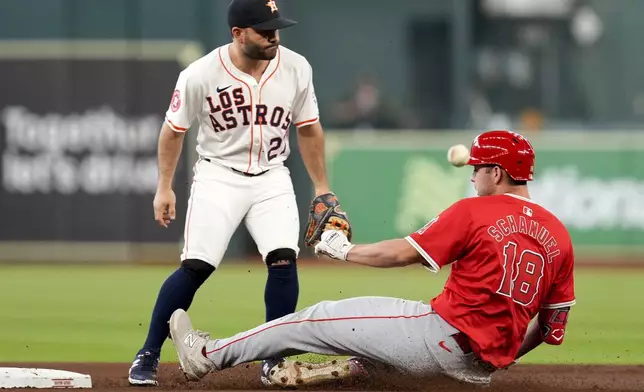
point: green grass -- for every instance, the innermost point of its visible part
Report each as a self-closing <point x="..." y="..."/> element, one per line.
<point x="98" y="313"/>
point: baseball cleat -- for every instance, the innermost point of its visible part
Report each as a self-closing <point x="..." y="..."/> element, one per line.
<point x="143" y="371"/>
<point x="289" y="374"/>
<point x="190" y="344"/>
<point x="267" y="365"/>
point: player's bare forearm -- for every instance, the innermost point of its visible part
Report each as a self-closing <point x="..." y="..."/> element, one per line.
<point x="311" y="142"/>
<point x="169" y="150"/>
<point x="384" y="254"/>
<point x="532" y="339"/>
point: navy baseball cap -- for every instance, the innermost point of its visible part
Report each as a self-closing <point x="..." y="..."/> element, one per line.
<point x="257" y="14"/>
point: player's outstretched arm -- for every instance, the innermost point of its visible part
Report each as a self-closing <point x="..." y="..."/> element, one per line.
<point x="384" y="254"/>
<point x="311" y="142"/>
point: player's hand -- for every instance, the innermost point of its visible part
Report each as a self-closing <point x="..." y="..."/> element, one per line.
<point x="164" y="206"/>
<point x="333" y="243"/>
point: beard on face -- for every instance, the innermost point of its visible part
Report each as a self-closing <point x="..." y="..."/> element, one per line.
<point x="257" y="52"/>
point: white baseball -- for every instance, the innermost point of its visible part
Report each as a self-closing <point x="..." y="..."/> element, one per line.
<point x="458" y="155"/>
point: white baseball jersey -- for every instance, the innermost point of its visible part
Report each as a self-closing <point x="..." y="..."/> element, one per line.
<point x="244" y="124"/>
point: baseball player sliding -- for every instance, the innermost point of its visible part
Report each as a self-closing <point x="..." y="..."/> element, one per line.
<point x="245" y="96"/>
<point x="511" y="261"/>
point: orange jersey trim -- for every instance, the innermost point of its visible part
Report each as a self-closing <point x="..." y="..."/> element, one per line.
<point x="307" y="122"/>
<point x="250" y="93"/>
<point x="175" y="127"/>
<point x="261" y="132"/>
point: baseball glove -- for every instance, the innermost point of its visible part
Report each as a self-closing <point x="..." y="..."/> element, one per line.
<point x="325" y="214"/>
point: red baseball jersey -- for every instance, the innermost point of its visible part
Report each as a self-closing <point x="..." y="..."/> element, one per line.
<point x="509" y="258"/>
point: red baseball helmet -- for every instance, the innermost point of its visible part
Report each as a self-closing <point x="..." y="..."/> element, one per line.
<point x="511" y="151"/>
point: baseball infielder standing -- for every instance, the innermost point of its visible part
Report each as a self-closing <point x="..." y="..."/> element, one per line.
<point x="511" y="261"/>
<point x="245" y="96"/>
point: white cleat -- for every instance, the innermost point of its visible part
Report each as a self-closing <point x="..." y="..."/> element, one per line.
<point x="189" y="344"/>
<point x="289" y="374"/>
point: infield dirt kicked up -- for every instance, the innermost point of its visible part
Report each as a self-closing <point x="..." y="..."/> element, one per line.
<point x="520" y="378"/>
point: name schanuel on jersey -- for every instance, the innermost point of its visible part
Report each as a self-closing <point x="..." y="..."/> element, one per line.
<point x="229" y="109"/>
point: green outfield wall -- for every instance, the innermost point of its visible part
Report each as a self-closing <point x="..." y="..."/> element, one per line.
<point x="392" y="183"/>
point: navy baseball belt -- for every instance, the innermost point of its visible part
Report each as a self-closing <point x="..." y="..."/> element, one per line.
<point x="239" y="171"/>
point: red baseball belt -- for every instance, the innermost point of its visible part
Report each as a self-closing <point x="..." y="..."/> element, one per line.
<point x="463" y="342"/>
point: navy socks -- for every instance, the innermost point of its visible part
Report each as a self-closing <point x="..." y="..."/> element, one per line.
<point x="177" y="292"/>
<point x="282" y="290"/>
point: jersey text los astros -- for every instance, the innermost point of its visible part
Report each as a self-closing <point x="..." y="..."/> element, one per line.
<point x="244" y="123"/>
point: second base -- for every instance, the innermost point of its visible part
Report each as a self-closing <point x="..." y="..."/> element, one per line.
<point x="13" y="377"/>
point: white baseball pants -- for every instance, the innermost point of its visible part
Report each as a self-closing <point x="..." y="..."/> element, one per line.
<point x="221" y="198"/>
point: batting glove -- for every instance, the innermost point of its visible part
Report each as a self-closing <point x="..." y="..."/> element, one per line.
<point x="333" y="243"/>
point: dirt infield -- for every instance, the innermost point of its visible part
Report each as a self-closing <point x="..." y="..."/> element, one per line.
<point x="521" y="378"/>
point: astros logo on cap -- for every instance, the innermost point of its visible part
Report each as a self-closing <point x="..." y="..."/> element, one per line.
<point x="271" y="3"/>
